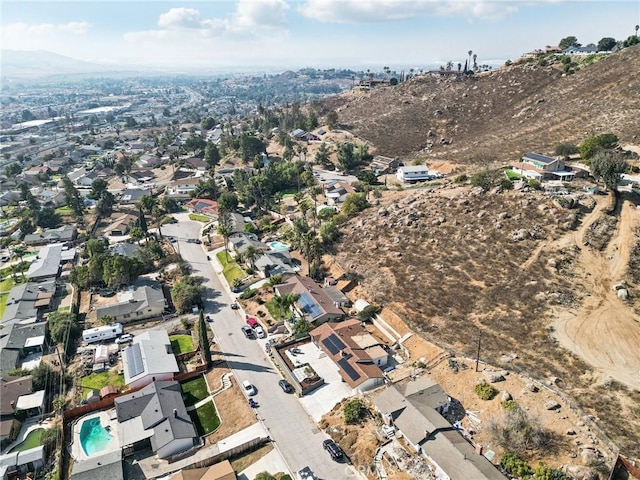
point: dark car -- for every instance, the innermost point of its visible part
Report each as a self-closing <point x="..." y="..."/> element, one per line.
<point x="248" y="332"/>
<point x="235" y="306"/>
<point x="286" y="388"/>
<point x="334" y="450"/>
<point x="198" y="241"/>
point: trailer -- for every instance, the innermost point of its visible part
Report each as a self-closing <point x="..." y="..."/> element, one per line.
<point x="106" y="332"/>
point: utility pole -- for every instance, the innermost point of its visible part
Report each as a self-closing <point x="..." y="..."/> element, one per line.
<point x="478" y="354"/>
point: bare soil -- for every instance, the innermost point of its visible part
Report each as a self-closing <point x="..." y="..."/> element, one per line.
<point x="511" y="269"/>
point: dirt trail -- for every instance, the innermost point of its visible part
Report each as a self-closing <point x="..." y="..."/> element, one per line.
<point x="604" y="331"/>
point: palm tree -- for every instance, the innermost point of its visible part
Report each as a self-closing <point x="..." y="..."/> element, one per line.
<point x="18" y="252"/>
<point x="475" y="65"/>
<point x="470" y="53"/>
<point x="250" y="255"/>
<point x="158" y="213"/>
<point x="225" y="231"/>
<point x="637" y="28"/>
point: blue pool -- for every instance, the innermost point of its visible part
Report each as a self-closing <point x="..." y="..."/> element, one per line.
<point x="93" y="437"/>
<point x="278" y="246"/>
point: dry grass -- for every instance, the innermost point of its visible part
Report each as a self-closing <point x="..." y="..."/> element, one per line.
<point x="244" y="461"/>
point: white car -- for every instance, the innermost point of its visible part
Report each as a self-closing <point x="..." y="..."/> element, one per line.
<point x="248" y="388"/>
<point x="126" y="338"/>
<point x="259" y="332"/>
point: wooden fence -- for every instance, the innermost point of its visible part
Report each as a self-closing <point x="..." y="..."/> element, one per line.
<point x="242" y="448"/>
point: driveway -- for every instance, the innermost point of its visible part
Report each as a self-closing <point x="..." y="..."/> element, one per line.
<point x="288" y="424"/>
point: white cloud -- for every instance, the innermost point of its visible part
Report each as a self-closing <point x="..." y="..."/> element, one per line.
<point x="29" y="36"/>
<point x="371" y="11"/>
<point x="264" y="13"/>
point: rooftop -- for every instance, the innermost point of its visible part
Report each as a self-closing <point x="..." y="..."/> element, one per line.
<point x="150" y="354"/>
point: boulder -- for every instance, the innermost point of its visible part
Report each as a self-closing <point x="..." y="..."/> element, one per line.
<point x="580" y="472"/>
<point x="623" y="294"/>
<point x="551" y="405"/>
<point x="532" y="387"/>
<point x="506" y="396"/>
<point x="493" y="377"/>
<point x="590" y="456"/>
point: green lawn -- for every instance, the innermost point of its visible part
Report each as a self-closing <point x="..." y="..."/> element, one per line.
<point x="5" y="286"/>
<point x="64" y="211"/>
<point x="32" y="441"/>
<point x="181" y="344"/>
<point x="96" y="381"/>
<point x="194" y="390"/>
<point x="64" y="309"/>
<point x="205" y="418"/>
<point x="199" y="218"/>
<point x="231" y="270"/>
<point x="276" y="311"/>
<point x="511" y="175"/>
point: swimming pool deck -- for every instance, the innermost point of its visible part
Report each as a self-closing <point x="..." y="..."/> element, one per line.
<point x="78" y="453"/>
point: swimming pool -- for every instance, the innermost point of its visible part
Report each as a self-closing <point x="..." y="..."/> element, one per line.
<point x="93" y="437"/>
<point x="278" y="246"/>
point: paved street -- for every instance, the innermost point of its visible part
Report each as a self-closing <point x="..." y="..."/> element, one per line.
<point x="289" y="425"/>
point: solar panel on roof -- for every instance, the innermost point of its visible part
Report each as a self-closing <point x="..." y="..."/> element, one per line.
<point x="133" y="357"/>
<point x="333" y="344"/>
<point x="309" y="306"/>
<point x="348" y="369"/>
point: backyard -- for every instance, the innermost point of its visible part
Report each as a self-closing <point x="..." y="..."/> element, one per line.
<point x="194" y="390"/>
<point x="96" y="381"/>
<point x="64" y="211"/>
<point x="181" y="344"/>
<point x="5" y="287"/>
<point x="32" y="441"/>
<point x="205" y="418"/>
<point x="231" y="270"/>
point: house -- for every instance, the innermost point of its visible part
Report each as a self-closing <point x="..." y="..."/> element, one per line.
<point x="219" y="471"/>
<point x="23" y="346"/>
<point x="540" y="167"/>
<point x="121" y="225"/>
<point x="589" y="49"/>
<point x="29" y="300"/>
<point x="81" y="177"/>
<point x="355" y="352"/>
<point x="275" y="263"/>
<point x="21" y="462"/>
<point x="196" y="163"/>
<point x="156" y="414"/>
<point x="139" y="302"/>
<point x="148" y="161"/>
<point x="148" y="358"/>
<point x="415" y="173"/>
<point x="65" y="233"/>
<point x="11" y="389"/>
<point x="125" y="249"/>
<point x="47" y="263"/>
<point x="131" y="196"/>
<point x="140" y="176"/>
<point x="105" y="466"/>
<point x="313" y="304"/>
<point x="298" y="133"/>
<point x="182" y="188"/>
<point x="336" y="192"/>
<point x="203" y="206"/>
<point x="37" y="170"/>
<point x="337" y="297"/>
<point x="239" y="242"/>
<point x="236" y="222"/>
<point x="382" y="165"/>
<point x="51" y="198"/>
<point x="432" y="436"/>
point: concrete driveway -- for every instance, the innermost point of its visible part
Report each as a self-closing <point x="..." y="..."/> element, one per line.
<point x="294" y="431"/>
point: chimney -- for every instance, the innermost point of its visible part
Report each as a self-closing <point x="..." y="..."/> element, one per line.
<point x="175" y="413"/>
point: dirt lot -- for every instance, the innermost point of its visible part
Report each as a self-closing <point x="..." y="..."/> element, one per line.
<point x="511" y="269"/>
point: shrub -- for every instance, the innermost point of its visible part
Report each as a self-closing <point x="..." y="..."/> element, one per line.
<point x="514" y="465"/>
<point x="353" y="411"/>
<point x="509" y="405"/>
<point x="542" y="472"/>
<point x="565" y="149"/>
<point x="506" y="184"/>
<point x="517" y="431"/>
<point x="533" y="183"/>
<point x="485" y="391"/>
<point x="248" y="293"/>
<point x="461" y="178"/>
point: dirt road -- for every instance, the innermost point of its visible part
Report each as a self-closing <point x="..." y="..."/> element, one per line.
<point x="604" y="331"/>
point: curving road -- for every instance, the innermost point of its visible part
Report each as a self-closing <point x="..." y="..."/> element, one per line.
<point x="294" y="432"/>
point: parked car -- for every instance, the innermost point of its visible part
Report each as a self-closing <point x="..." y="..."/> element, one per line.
<point x="235" y="306"/>
<point x="259" y="332"/>
<point x="5" y="258"/>
<point x="286" y="387"/>
<point x="252" y="322"/>
<point x="248" y="388"/>
<point x="334" y="450"/>
<point x="248" y="332"/>
<point x="126" y="338"/>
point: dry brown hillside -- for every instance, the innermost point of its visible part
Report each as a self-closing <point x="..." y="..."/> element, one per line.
<point x="503" y="113"/>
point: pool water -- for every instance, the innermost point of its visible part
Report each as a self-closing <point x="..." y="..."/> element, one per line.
<point x="278" y="246"/>
<point x="93" y="437"/>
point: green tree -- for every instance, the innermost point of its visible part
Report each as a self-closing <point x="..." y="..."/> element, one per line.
<point x="567" y="42"/>
<point x="354" y="203"/>
<point x="225" y="232"/>
<point x="96" y="246"/>
<point x="203" y="340"/>
<point x="302" y="328"/>
<point x="608" y="166"/>
<point x="606" y="44"/>
<point x="208" y="123"/>
<point x="98" y="186"/>
<point x="353" y="411"/>
<point x="368" y="312"/>
<point x="118" y="270"/>
<point x="64" y="329"/>
<point x="170" y="205"/>
<point x="187" y="292"/>
<point x="50" y="438"/>
<point x="367" y="177"/>
<point x="565" y="149"/>
<point x="207" y="189"/>
<point x="347" y="159"/>
<point x="19" y="251"/>
<point x="332" y="119"/>
<point x="227" y="202"/>
<point x="264" y="476"/>
<point x="48" y="218"/>
<point x="250" y="146"/>
<point x="13" y="170"/>
<point x="142" y="222"/>
<point x="74" y="200"/>
<point x="322" y="154"/>
<point x="105" y="203"/>
<point x="594" y="143"/>
<point x="211" y="155"/>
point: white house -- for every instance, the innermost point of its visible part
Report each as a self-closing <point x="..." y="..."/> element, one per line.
<point x="149" y="359"/>
<point x="415" y="173"/>
<point x="137" y="303"/>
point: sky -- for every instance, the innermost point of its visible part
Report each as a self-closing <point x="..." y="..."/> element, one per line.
<point x="217" y="34"/>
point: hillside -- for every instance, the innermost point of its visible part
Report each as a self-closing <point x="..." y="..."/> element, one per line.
<point x="496" y="115"/>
